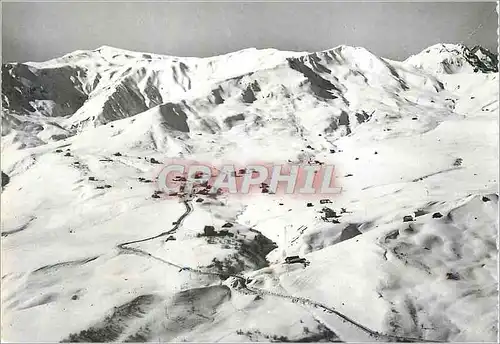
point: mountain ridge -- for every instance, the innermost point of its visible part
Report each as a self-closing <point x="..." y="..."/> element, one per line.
<point x="119" y="83"/>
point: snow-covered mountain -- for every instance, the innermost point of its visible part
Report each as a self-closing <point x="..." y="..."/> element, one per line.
<point x="407" y="251"/>
<point x="455" y="58"/>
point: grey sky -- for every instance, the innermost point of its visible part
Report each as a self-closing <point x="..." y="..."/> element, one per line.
<point x="39" y="31"/>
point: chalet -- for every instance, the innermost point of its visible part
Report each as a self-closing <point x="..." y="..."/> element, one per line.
<point x="296" y="259"/>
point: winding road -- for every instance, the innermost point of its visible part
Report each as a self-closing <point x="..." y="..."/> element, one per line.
<point x="243" y="288"/>
<point x="178" y="223"/>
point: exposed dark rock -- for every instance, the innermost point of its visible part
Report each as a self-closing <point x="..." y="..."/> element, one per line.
<point x="362" y="117"/>
<point x="231" y="120"/>
<point x="115" y="324"/>
<point x="309" y="205"/>
<point x="125" y="101"/>
<point x="173" y="117"/>
<point x="5" y="179"/>
<point x="217" y="95"/>
<point x="452" y="276"/>
<point x="396" y="76"/>
<point x="344" y="119"/>
<point x="488" y="62"/>
<point x="351" y="231"/>
<point x="437" y="215"/>
<point x="315" y="61"/>
<point x="248" y="94"/>
<point x="117" y="154"/>
<point x="319" y="86"/>
<point x="334" y="125"/>
<point x="22" y="85"/>
<point x="485" y="199"/>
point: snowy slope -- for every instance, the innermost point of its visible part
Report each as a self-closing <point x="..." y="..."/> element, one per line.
<point x="90" y="253"/>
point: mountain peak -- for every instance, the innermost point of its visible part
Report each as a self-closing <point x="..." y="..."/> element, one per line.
<point x="107" y="49"/>
<point x="449" y="58"/>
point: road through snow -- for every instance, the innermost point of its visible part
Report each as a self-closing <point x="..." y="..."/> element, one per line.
<point x="243" y="288"/>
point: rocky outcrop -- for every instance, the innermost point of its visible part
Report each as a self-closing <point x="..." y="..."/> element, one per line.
<point x="24" y="85"/>
<point x="5" y="179"/>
